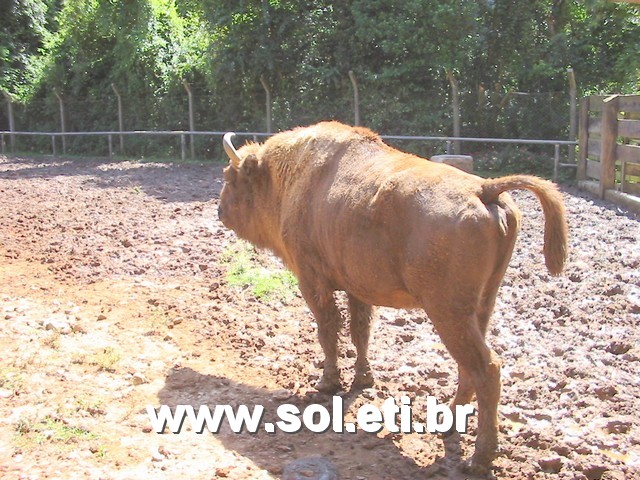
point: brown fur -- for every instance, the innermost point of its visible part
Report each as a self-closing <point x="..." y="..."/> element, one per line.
<point x="346" y="212"/>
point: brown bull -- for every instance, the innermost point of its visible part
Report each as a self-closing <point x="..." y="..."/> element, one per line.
<point x="346" y="212"/>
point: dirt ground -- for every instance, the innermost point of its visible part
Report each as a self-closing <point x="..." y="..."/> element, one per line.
<point x="113" y="297"/>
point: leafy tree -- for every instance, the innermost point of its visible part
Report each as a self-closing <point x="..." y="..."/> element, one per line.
<point x="506" y="55"/>
<point x="25" y="27"/>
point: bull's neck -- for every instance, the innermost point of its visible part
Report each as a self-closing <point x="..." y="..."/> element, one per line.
<point x="272" y="212"/>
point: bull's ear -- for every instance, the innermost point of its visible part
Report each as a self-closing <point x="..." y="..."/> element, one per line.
<point x="250" y="165"/>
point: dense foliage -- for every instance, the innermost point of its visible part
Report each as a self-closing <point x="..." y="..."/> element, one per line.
<point x="303" y="49"/>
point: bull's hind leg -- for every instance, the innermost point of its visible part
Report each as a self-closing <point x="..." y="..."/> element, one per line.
<point x="327" y="315"/>
<point x="480" y="372"/>
<point x="465" y="391"/>
<point x="483" y="315"/>
<point x="360" y="314"/>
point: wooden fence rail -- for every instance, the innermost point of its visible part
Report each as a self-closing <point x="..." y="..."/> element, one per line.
<point x="609" y="161"/>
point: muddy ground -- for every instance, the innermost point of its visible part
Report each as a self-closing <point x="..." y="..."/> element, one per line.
<point x="113" y="296"/>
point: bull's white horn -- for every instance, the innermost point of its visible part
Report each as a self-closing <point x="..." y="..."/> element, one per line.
<point x="230" y="149"/>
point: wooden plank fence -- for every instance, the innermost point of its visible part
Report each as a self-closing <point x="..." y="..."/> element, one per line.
<point x="609" y="161"/>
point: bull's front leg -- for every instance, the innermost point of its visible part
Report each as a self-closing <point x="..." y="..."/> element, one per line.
<point x="327" y="315"/>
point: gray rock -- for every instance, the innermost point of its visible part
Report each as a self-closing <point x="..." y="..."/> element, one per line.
<point x="551" y="464"/>
<point x="594" y="471"/>
<point x="618" y="347"/>
<point x="59" y="326"/>
<point x="157" y="456"/>
<point x="618" y="426"/>
<point x="281" y="395"/>
<point x="310" y="468"/>
<point x="5" y="393"/>
<point x="139" y="378"/>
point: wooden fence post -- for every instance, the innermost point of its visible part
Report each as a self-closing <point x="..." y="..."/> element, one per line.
<point x="120" y="119"/>
<point x="267" y="91"/>
<point x="455" y="101"/>
<point x="609" y="144"/>
<point x="356" y="98"/>
<point x="573" y="95"/>
<point x="191" y="123"/>
<point x="62" y="125"/>
<point x="583" y="139"/>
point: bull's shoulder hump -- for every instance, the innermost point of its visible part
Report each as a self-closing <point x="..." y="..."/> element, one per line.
<point x="335" y="132"/>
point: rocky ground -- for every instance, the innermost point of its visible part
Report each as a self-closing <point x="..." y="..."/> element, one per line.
<point x="114" y="296"/>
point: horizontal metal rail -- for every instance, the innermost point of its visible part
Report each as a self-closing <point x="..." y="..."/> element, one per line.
<point x="132" y="132"/>
<point x="183" y="133"/>
<point x="483" y="140"/>
<point x="263" y="134"/>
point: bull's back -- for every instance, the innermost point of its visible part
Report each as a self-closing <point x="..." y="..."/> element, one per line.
<point x="386" y="227"/>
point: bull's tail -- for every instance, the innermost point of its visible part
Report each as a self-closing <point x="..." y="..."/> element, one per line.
<point x="555" y="223"/>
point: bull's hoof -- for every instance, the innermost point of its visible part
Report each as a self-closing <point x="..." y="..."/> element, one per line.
<point x="477" y="469"/>
<point x="328" y="385"/>
<point x="362" y="381"/>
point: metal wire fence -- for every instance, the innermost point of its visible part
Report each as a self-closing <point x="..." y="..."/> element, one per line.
<point x="517" y="155"/>
<point x="495" y="126"/>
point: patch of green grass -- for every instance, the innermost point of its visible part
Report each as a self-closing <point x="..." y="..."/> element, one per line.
<point x="245" y="270"/>
<point x="51" y="429"/>
<point x="11" y="379"/>
<point x="101" y="451"/>
<point x="105" y="359"/>
<point x="93" y="406"/>
<point x="158" y="319"/>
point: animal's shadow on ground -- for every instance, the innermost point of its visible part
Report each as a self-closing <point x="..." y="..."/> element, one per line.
<point x="166" y="181"/>
<point x="354" y="454"/>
